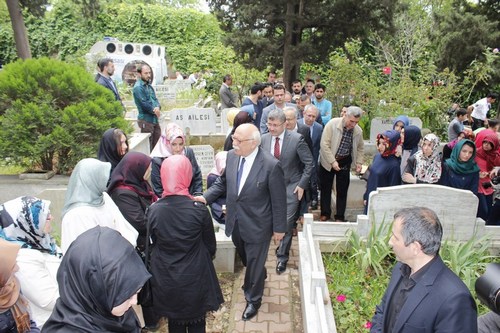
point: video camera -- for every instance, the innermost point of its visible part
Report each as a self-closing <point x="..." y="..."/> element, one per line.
<point x="488" y="287"/>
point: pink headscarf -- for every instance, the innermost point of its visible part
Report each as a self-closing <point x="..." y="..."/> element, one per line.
<point x="220" y="163"/>
<point x="163" y="148"/>
<point x="176" y="173"/>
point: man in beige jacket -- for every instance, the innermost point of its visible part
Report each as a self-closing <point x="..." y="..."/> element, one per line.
<point x="341" y="149"/>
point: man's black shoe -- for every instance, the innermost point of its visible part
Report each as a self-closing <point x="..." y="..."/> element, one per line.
<point x="250" y="311"/>
<point x="280" y="267"/>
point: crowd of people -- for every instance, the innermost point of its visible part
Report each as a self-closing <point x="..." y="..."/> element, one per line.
<point x="129" y="218"/>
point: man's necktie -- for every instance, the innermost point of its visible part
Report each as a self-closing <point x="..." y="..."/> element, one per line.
<point x="240" y="172"/>
<point x="277" y="148"/>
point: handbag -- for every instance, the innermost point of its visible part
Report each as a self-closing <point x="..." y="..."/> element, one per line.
<point x="145" y="296"/>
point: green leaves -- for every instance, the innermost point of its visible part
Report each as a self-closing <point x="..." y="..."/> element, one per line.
<point x="53" y="114"/>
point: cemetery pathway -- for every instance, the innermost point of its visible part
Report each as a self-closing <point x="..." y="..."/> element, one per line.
<point x="280" y="311"/>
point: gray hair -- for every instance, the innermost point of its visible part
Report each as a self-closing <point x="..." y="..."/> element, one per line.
<point x="354" y="111"/>
<point x="256" y="137"/>
<point x="311" y="107"/>
<point x="422" y="225"/>
<point x="291" y="108"/>
<point x="277" y="114"/>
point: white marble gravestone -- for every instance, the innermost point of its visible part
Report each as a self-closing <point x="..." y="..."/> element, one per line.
<point x="379" y="125"/>
<point x="205" y="157"/>
<point x="195" y="121"/>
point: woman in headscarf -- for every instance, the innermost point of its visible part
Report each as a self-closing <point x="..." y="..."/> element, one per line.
<point x="487" y="158"/>
<point x="130" y="190"/>
<point x="410" y="136"/>
<point x="113" y="147"/>
<point x="14" y="309"/>
<point x="171" y="143"/>
<point x="461" y="170"/>
<point x="87" y="205"/>
<point x="425" y="165"/>
<point x="241" y="117"/>
<point x="400" y="122"/>
<point x="100" y="276"/>
<point x="27" y="222"/>
<point x="447" y="148"/>
<point x="384" y="171"/>
<point x="184" y="282"/>
<point x="218" y="169"/>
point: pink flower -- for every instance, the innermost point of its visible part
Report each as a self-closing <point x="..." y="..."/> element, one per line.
<point x="368" y="325"/>
<point x="341" y="298"/>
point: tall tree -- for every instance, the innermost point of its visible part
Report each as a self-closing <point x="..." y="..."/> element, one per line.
<point x="288" y="32"/>
<point x="20" y="34"/>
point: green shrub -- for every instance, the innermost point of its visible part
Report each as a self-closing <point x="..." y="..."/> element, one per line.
<point x="53" y="114"/>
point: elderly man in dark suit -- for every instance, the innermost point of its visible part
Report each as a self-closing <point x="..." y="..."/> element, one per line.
<point x="311" y="113"/>
<point x="254" y="185"/>
<point x="423" y="294"/>
<point x="291" y="150"/>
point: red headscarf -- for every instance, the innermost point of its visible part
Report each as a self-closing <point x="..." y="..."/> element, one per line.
<point x="176" y="173"/>
<point x="491" y="157"/>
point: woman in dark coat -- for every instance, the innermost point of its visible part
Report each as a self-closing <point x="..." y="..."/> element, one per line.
<point x="99" y="278"/>
<point x="130" y="190"/>
<point x="384" y="171"/>
<point x="184" y="283"/>
<point x="113" y="146"/>
<point x="172" y="143"/>
<point x="461" y="170"/>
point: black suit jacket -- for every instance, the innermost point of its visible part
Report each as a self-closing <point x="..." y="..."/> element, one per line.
<point x="439" y="302"/>
<point x="260" y="208"/>
<point x="107" y="84"/>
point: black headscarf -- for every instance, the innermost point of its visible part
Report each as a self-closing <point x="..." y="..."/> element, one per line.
<point x="99" y="271"/>
<point x="130" y="172"/>
<point x="108" y="149"/>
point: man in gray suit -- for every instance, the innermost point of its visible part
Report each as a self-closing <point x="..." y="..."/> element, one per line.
<point x="292" y="151"/>
<point x="225" y="94"/>
<point x="254" y="185"/>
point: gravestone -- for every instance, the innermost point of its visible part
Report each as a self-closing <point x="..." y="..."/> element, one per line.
<point x="379" y="125"/>
<point x="195" y="121"/>
<point x="169" y="89"/>
<point x="205" y="157"/>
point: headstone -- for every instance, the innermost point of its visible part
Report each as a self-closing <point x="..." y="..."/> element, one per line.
<point x="205" y="157"/>
<point x="195" y="121"/>
<point x="169" y="89"/>
<point x="379" y="125"/>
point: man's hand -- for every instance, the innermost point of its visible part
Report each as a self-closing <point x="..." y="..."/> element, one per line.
<point x="277" y="236"/>
<point x="358" y="167"/>
<point x="156" y="110"/>
<point x="335" y="166"/>
<point x="200" y="198"/>
<point x="299" y="191"/>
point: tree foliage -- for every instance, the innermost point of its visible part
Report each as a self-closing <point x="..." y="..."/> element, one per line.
<point x="53" y="114"/>
<point x="287" y="33"/>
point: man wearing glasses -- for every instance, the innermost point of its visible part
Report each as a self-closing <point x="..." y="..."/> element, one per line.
<point x="256" y="208"/>
<point x="290" y="148"/>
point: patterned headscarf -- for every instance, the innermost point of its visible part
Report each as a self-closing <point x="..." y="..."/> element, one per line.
<point x="163" y="148"/>
<point x="391" y="139"/>
<point x="23" y="220"/>
<point x="428" y="169"/>
<point x="176" y="173"/>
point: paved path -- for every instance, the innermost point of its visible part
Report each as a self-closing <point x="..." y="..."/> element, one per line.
<point x="280" y="311"/>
